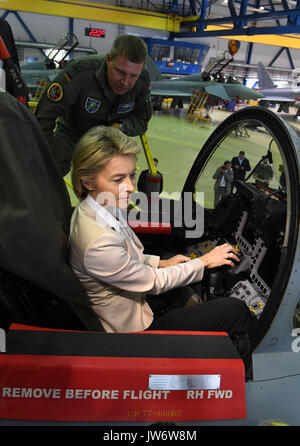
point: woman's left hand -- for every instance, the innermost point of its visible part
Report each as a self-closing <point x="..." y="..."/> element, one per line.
<point x="179" y="258"/>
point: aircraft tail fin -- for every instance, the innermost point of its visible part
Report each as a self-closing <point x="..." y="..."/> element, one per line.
<point x="154" y="73"/>
<point x="264" y="79"/>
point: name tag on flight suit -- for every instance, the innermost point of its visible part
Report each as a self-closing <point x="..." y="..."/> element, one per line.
<point x="125" y="108"/>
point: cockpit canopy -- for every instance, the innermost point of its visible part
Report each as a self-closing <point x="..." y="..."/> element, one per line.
<point x="258" y="213"/>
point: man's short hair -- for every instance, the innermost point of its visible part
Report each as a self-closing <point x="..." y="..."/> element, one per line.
<point x="132" y="48"/>
<point x="242" y="152"/>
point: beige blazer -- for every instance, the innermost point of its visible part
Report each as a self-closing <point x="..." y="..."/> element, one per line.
<point x="117" y="275"/>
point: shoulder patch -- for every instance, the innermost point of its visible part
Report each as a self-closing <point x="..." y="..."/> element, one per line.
<point x="55" y="92"/>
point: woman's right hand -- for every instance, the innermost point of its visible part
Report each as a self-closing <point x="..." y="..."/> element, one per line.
<point x="219" y="256"/>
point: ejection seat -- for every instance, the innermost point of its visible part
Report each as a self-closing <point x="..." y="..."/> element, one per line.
<point x="37" y="286"/>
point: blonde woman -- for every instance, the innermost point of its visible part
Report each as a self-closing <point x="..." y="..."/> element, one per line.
<point x="108" y="257"/>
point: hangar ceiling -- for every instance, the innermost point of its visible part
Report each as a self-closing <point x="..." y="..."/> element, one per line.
<point x="273" y="22"/>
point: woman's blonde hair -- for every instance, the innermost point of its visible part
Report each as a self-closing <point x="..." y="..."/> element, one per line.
<point x="95" y="148"/>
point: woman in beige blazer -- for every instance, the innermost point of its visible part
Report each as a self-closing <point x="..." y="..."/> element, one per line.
<point x="108" y="257"/>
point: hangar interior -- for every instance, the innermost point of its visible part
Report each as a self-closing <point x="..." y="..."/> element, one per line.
<point x="37" y="28"/>
<point x="207" y="27"/>
<point x="265" y="32"/>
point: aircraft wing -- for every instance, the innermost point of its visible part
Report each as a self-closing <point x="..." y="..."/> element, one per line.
<point x="237" y="91"/>
<point x="217" y="89"/>
<point x="173" y="88"/>
<point x="278" y="99"/>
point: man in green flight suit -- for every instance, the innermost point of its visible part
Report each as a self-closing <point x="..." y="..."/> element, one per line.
<point x="112" y="90"/>
<point x="263" y="173"/>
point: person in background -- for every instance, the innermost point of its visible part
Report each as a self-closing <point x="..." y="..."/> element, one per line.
<point x="224" y="178"/>
<point x="263" y="173"/>
<point x="108" y="257"/>
<point x="240" y="165"/>
<point x="112" y="90"/>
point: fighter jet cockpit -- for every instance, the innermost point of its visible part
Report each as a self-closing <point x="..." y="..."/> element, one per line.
<point x="256" y="210"/>
<point x="257" y="213"/>
<point x="251" y="216"/>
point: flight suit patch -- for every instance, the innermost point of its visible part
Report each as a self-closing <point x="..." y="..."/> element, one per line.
<point x="126" y="108"/>
<point x="92" y="105"/>
<point x="55" y="92"/>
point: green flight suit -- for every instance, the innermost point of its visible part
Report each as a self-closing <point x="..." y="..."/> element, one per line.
<point x="80" y="98"/>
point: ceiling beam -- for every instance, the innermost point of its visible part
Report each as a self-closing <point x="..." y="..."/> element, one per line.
<point x="232" y="31"/>
<point x="284" y="40"/>
<point x="96" y="12"/>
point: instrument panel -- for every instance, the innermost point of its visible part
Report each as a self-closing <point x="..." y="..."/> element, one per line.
<point x="252" y="228"/>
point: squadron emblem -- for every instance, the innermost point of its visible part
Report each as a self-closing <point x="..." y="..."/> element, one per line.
<point x="92" y="105"/>
<point x="55" y="92"/>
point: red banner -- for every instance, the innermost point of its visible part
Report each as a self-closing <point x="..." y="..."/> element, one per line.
<point x="76" y="388"/>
